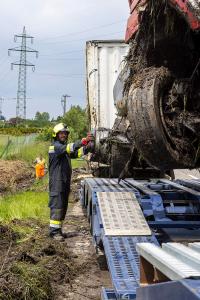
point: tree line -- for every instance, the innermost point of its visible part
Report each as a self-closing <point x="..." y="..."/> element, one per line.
<point x="76" y="119"/>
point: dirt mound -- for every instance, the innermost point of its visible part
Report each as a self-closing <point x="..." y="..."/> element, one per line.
<point x="31" y="269"/>
<point x="14" y="175"/>
<point x="33" y="266"/>
<point x="7" y="234"/>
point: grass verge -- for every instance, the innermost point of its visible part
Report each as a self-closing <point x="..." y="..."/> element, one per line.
<point x="36" y="264"/>
<point x="78" y="163"/>
<point x="24" y="205"/>
<point x="32" y="204"/>
<point x="33" y="280"/>
<point x="29" y="153"/>
<point x="33" y="264"/>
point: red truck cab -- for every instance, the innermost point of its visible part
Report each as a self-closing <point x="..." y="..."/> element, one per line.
<point x="184" y="7"/>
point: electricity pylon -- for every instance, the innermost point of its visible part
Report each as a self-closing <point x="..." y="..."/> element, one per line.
<point x="63" y="102"/>
<point x="23" y="64"/>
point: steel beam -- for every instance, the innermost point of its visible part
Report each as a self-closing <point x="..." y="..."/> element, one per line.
<point x="172" y="267"/>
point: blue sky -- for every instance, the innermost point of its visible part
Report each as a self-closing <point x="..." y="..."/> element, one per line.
<point x="60" y="28"/>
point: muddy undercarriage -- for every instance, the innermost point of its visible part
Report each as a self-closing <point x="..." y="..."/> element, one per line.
<point x="157" y="96"/>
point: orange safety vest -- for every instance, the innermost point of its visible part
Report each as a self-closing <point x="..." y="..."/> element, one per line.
<point x="39" y="168"/>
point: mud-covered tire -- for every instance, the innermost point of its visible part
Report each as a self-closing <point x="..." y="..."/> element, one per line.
<point x="120" y="154"/>
<point x="150" y="137"/>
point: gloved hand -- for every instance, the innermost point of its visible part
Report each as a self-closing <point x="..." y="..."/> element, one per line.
<point x="90" y="147"/>
<point x="90" y="137"/>
<point x="84" y="142"/>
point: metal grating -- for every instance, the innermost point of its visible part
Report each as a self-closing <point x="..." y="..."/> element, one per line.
<point x="108" y="294"/>
<point x="110" y="185"/>
<point x="183" y="253"/>
<point x="121" y="214"/>
<point x="167" y="260"/>
<point x="195" y="246"/>
<point x="123" y="263"/>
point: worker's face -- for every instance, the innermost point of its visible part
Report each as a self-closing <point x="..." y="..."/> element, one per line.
<point x="63" y="136"/>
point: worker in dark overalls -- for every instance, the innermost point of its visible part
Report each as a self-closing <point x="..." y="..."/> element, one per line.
<point x="60" y="172"/>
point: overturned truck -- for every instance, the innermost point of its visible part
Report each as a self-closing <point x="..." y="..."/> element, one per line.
<point x="156" y="92"/>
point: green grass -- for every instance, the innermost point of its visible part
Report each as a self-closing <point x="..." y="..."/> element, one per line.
<point x="33" y="279"/>
<point x="77" y="163"/>
<point x="33" y="203"/>
<point x="3" y="139"/>
<point x="26" y="205"/>
<point x="23" y="230"/>
<point x="1" y="148"/>
<point x="29" y="153"/>
<point x="11" y="146"/>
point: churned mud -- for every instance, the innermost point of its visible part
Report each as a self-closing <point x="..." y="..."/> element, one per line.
<point x="37" y="267"/>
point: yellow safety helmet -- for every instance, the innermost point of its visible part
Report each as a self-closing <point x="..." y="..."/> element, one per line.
<point x="60" y="127"/>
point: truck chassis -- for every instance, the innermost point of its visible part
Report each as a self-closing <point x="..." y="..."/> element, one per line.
<point x="166" y="211"/>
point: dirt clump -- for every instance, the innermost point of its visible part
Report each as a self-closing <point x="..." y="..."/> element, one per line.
<point x="32" y="269"/>
<point x="14" y="175"/>
<point x="33" y="266"/>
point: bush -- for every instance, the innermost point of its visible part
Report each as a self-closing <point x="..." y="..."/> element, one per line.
<point x="18" y="131"/>
<point x="45" y="134"/>
<point x="77" y="119"/>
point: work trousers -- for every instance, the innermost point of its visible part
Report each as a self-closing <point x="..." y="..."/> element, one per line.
<point x="58" y="203"/>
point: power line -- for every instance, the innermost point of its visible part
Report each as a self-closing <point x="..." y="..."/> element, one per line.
<point x="4" y="67"/>
<point x="72" y="75"/>
<point x="62" y="53"/>
<point x="4" y="71"/>
<point x="23" y="64"/>
<point x="4" y="76"/>
<point x="83" y="39"/>
<point x="2" y="99"/>
<point x="85" y="30"/>
<point x="4" y="59"/>
<point x="60" y="75"/>
<point x="64" y="59"/>
<point x="7" y="82"/>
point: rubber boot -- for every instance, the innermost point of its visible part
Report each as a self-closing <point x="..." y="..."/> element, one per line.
<point x="57" y="237"/>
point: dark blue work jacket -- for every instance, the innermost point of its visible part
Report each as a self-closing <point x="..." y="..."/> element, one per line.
<point x="60" y="165"/>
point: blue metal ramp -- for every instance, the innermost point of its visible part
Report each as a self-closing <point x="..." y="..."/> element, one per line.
<point x="123" y="263"/>
<point x="118" y="225"/>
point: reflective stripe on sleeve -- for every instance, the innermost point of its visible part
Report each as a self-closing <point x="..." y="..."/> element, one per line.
<point x="80" y="152"/>
<point x="70" y="148"/>
<point x="51" y="149"/>
<point x="55" y="223"/>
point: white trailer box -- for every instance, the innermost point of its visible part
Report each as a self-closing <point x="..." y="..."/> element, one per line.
<point x="104" y="61"/>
